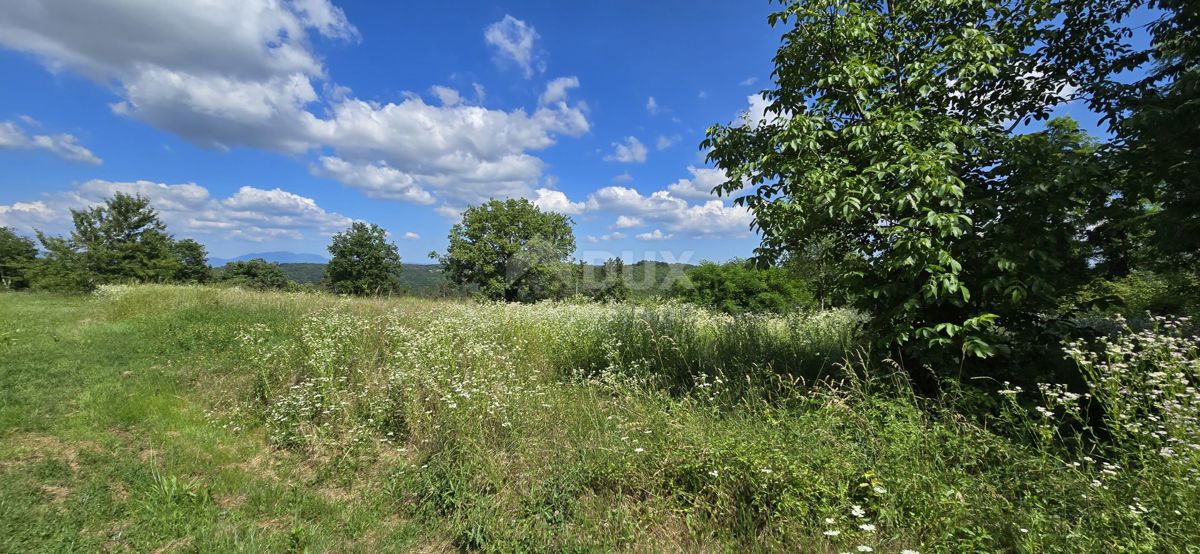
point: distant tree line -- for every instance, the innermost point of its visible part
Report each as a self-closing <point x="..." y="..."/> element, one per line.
<point x="502" y="250"/>
<point x="123" y="240"/>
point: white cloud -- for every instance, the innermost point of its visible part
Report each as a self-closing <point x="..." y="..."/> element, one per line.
<point x="556" y="90"/>
<point x="756" y="112"/>
<point x="656" y="234"/>
<point x="410" y="236"/>
<point x="611" y="236"/>
<point x="749" y="81"/>
<point x="62" y="145"/>
<point x="249" y="214"/>
<point x="555" y="201"/>
<point x="631" y="151"/>
<point x="448" y="212"/>
<point x="626" y="222"/>
<point x="224" y="73"/>
<point x="376" y="181"/>
<point x="26" y="215"/>
<point x="665" y="142"/>
<point x="462" y="154"/>
<point x="700" y="186"/>
<point x="652" y="106"/>
<point x="514" y="40"/>
<point x="216" y="72"/>
<point x="326" y="18"/>
<point x="671" y="211"/>
<point x="446" y="95"/>
<point x="624" y="177"/>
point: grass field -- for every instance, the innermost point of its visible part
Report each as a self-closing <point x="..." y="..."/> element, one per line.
<point x="204" y="419"/>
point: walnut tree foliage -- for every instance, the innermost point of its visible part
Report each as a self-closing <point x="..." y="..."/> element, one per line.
<point x="511" y="249"/>
<point x="363" y="262"/>
<point x="1156" y="120"/>
<point x="890" y="133"/>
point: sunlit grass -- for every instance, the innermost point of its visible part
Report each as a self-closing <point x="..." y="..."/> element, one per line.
<point x="220" y="419"/>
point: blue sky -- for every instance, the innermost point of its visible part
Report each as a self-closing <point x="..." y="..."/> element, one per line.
<point x="258" y="125"/>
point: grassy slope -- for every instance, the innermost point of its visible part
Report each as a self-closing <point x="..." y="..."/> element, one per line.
<point x="105" y="443"/>
<point x="162" y="417"/>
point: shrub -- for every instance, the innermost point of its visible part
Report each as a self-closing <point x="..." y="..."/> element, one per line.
<point x="256" y="274"/>
<point x="738" y="287"/>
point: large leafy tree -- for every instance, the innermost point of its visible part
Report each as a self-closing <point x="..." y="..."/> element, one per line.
<point x="889" y="131"/>
<point x="1156" y="120"/>
<point x="363" y="261"/>
<point x="511" y="249"/>
<point x="122" y="240"/>
<point x="17" y="255"/>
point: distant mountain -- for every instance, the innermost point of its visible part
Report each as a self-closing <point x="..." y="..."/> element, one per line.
<point x="277" y="257"/>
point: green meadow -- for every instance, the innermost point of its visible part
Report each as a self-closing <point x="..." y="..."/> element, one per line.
<point x="205" y="419"/>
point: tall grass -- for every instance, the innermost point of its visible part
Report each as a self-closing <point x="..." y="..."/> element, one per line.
<point x="587" y="427"/>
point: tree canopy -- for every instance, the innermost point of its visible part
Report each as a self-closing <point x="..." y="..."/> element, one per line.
<point x="363" y="261"/>
<point x="511" y="249"/>
<point x="120" y="241"/>
<point x="896" y="131"/>
<point x="17" y="254"/>
<point x="739" y="287"/>
<point x="256" y="274"/>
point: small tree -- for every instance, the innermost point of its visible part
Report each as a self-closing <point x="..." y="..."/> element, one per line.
<point x="612" y="281"/>
<point x="256" y="274"/>
<point x="363" y="261"/>
<point x="17" y="254"/>
<point x="510" y="248"/>
<point x="193" y="262"/>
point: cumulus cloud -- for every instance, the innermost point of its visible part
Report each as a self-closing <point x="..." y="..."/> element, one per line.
<point x="216" y="72"/>
<point x="65" y="146"/>
<point x="249" y="214"/>
<point x="555" y="201"/>
<point x="656" y="234"/>
<point x="757" y="113"/>
<point x="374" y="180"/>
<point x="630" y="151"/>
<point x="514" y="41"/>
<point x="224" y="73"/>
<point x="700" y="186"/>
<point x="670" y="209"/>
<point x="464" y="154"/>
<point x="410" y="236"/>
<point x="627" y="222"/>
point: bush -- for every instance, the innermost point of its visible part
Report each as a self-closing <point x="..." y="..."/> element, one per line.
<point x="256" y="274"/>
<point x="738" y="287"/>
